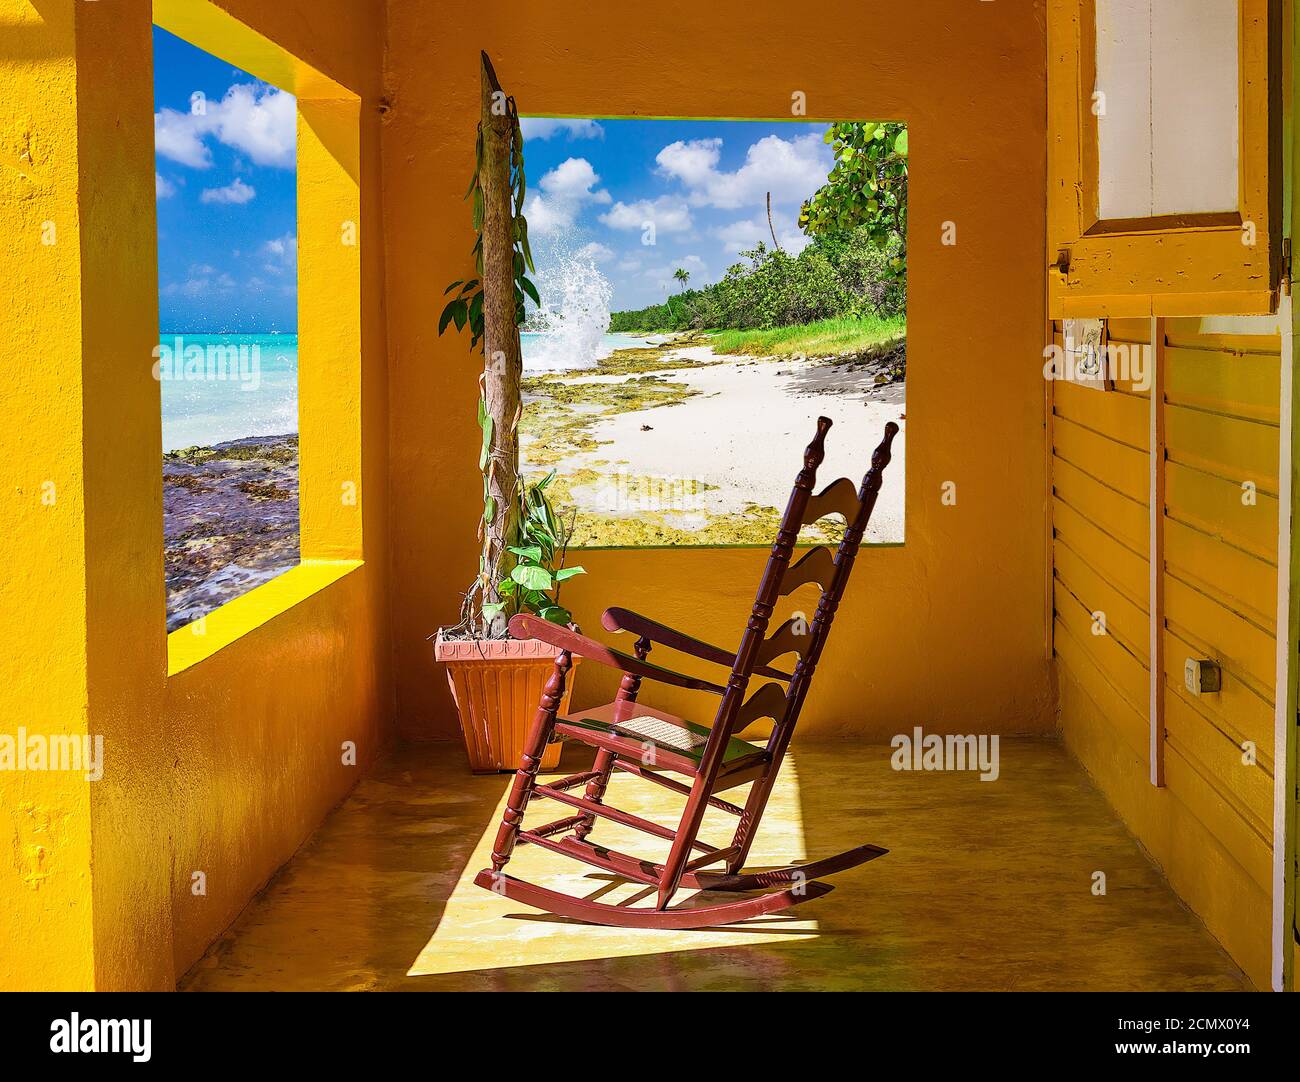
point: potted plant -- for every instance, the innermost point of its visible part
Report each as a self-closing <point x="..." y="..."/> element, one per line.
<point x="495" y="680"/>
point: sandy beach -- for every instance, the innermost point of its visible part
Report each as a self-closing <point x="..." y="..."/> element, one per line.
<point x="675" y="444"/>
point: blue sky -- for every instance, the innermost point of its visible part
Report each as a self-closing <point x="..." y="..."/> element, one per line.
<point x="227" y="203"/>
<point x="595" y="184"/>
<point x="227" y="199"/>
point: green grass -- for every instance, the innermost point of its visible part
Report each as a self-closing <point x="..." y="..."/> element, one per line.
<point x="828" y="336"/>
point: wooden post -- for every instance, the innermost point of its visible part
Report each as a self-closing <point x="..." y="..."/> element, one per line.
<point x="1156" y="644"/>
<point x="502" y="359"/>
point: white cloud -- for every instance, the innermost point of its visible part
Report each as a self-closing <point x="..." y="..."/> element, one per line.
<point x="573" y="178"/>
<point x="545" y="217"/>
<point x="565" y="190"/>
<point x="281" y="254"/>
<point x="236" y="193"/>
<point x="694" y="163"/>
<point x="258" y="121"/>
<point x="597" y="253"/>
<point x="202" y="281"/>
<point x="668" y="214"/>
<point x="744" y="234"/>
<point x="791" y="169"/>
<point x="162" y="187"/>
<point x="540" y="127"/>
<point x="179" y="136"/>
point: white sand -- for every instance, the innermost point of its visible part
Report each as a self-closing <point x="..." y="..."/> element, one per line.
<point x="745" y="434"/>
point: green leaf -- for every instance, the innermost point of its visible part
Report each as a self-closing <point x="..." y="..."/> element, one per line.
<point x="568" y="573"/>
<point x="556" y="614"/>
<point x="532" y="578"/>
<point x="447" y="314"/>
<point x="531" y="290"/>
<point x="527" y="552"/>
<point x="492" y="610"/>
<point x="458" y="282"/>
<point x="900" y="143"/>
<point x="506" y="587"/>
<point x="528" y="252"/>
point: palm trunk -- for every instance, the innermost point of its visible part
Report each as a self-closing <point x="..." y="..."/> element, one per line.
<point x="503" y="363"/>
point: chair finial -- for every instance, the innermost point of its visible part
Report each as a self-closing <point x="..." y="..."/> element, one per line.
<point x="816" y="451"/>
<point x="880" y="458"/>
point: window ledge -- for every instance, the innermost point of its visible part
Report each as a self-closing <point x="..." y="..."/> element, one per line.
<point x="189" y="645"/>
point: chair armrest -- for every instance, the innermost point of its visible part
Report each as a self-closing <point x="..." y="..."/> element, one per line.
<point x="617" y="619"/>
<point x="534" y="627"/>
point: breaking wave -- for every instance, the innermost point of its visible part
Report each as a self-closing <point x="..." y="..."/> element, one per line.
<point x="568" y="330"/>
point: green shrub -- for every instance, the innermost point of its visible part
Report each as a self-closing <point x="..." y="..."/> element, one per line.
<point x="845" y="275"/>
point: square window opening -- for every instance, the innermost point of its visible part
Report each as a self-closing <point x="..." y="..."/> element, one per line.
<point x="227" y="360"/>
<point x="708" y="288"/>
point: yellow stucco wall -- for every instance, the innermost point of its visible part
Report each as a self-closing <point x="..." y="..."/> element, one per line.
<point x="45" y="816"/>
<point x="226" y="764"/>
<point x="946" y="631"/>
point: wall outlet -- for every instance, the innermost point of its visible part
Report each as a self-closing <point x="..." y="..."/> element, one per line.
<point x="1202" y="676"/>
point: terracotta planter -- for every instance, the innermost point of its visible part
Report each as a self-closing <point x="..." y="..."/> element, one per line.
<point x="496" y="684"/>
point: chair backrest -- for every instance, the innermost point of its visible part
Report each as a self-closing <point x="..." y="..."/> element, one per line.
<point x="780" y="578"/>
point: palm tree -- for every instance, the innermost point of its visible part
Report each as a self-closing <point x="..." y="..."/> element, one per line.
<point x="682" y="275"/>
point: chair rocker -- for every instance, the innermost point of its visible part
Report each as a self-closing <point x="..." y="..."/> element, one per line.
<point x="652" y="744"/>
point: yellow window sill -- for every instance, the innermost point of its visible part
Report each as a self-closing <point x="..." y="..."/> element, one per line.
<point x="189" y="645"/>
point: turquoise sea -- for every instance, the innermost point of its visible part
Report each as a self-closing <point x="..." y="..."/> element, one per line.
<point x="218" y="387"/>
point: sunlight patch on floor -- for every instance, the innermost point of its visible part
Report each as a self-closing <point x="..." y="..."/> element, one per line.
<point x="481" y="930"/>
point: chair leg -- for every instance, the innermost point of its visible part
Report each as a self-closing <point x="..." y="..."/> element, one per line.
<point x="531" y="760"/>
<point x="604" y="765"/>
<point x="675" y="865"/>
<point x="628" y="689"/>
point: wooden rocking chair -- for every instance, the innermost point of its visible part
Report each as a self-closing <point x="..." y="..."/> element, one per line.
<point x="650" y="743"/>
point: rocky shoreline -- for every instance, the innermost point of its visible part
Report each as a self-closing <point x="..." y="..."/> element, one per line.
<point x="230" y="521"/>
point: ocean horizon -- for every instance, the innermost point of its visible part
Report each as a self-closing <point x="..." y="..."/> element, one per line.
<point x="221" y="387"/>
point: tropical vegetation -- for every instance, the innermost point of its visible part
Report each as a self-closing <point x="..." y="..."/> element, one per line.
<point x="523" y="540"/>
<point x="853" y="269"/>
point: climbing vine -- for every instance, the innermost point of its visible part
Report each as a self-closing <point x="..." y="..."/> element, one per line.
<point x="523" y="574"/>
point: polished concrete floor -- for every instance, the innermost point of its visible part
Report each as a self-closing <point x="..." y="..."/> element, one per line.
<point x="987" y="885"/>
